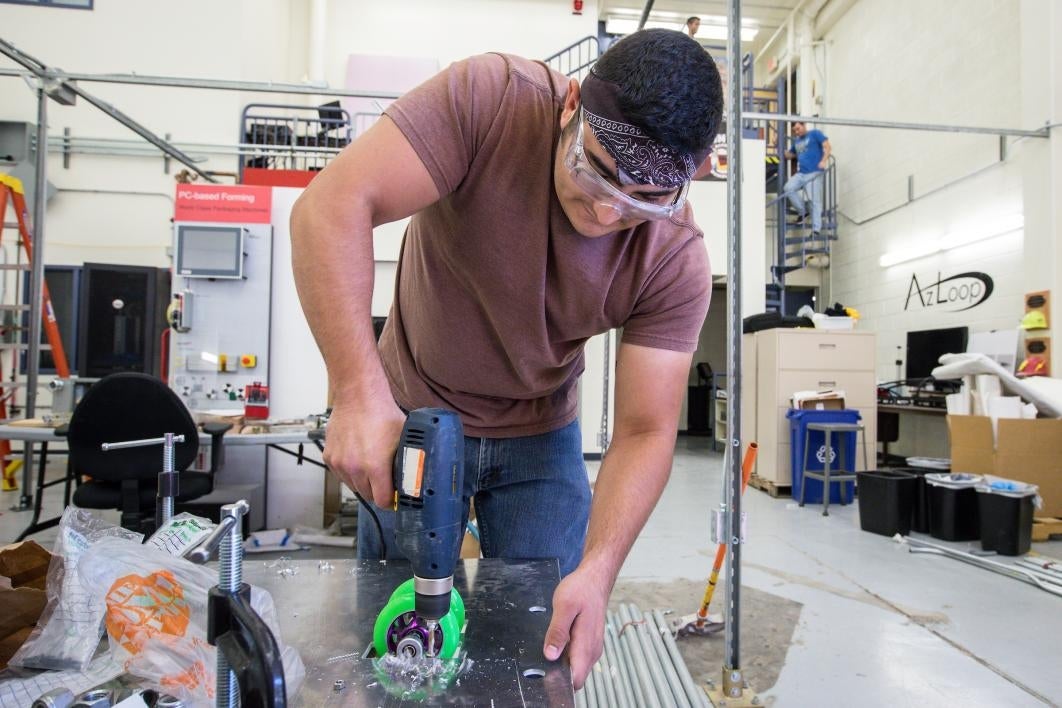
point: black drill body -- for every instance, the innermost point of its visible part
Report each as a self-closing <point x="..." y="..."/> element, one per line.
<point x="429" y="479"/>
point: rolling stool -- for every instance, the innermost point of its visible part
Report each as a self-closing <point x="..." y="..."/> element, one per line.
<point x="828" y="429"/>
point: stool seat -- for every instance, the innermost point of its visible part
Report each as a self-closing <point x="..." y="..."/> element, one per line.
<point x="828" y="476"/>
<point x="836" y="427"/>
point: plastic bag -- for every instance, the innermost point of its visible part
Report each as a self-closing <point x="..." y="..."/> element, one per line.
<point x="70" y="627"/>
<point x="156" y="618"/>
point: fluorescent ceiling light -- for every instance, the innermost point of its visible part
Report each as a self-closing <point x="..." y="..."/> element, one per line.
<point x="720" y="33"/>
<point x="991" y="228"/>
<point x="626" y="22"/>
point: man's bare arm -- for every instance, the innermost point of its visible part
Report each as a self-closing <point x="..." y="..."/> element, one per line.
<point x="650" y="384"/>
<point x="377" y="179"/>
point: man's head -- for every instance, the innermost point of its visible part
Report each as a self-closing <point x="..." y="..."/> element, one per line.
<point x="800" y="128"/>
<point x="644" y="120"/>
<point x="692" y="25"/>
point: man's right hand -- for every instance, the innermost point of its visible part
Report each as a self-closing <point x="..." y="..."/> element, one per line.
<point x="360" y="447"/>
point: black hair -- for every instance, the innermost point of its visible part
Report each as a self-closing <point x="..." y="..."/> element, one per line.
<point x="692" y="19"/>
<point x="668" y="86"/>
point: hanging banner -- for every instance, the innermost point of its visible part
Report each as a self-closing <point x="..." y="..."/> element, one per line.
<point x="228" y="203"/>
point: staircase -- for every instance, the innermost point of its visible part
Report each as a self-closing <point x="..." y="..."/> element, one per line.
<point x="796" y="246"/>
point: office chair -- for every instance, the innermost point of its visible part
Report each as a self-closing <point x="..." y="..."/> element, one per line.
<point x="133" y="406"/>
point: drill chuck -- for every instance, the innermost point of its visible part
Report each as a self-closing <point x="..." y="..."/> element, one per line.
<point x="432" y="596"/>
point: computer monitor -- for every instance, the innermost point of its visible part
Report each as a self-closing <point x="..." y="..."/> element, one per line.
<point x="925" y="347"/>
<point x="209" y="251"/>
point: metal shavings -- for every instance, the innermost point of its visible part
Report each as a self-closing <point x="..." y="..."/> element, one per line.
<point x="325" y="567"/>
<point x="341" y="657"/>
<point x="285" y="568"/>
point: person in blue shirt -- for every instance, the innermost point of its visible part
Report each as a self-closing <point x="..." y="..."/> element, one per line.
<point x="811" y="148"/>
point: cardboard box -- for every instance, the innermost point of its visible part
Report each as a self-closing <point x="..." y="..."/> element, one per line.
<point x="23" y="572"/>
<point x="1026" y="451"/>
<point x="818" y="400"/>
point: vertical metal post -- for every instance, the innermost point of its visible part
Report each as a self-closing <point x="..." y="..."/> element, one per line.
<point x="33" y="352"/>
<point x="602" y="436"/>
<point x="732" y="677"/>
<point x="783" y="201"/>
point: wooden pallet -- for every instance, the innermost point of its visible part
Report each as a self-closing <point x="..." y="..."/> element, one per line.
<point x="775" y="490"/>
<point x="1043" y="528"/>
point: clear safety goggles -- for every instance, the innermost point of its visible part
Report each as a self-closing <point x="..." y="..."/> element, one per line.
<point x="604" y="192"/>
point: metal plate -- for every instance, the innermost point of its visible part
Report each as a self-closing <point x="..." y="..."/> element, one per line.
<point x="328" y="615"/>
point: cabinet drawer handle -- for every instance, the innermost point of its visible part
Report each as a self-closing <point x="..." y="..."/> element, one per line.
<point x="827" y="384"/>
<point x="827" y="345"/>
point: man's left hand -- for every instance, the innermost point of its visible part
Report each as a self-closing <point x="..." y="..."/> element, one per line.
<point x="579" y="606"/>
<point x="822" y="165"/>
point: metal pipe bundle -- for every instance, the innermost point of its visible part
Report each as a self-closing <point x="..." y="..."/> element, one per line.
<point x="640" y="666"/>
<point x="695" y="695"/>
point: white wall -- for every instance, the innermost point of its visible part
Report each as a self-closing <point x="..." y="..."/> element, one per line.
<point x="924" y="62"/>
<point x="447" y="31"/>
<point x="260" y="40"/>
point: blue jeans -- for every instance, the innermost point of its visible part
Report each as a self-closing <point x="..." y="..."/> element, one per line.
<point x="532" y="499"/>
<point x="810" y="182"/>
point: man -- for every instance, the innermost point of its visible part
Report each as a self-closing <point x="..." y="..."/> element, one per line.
<point x="544" y="212"/>
<point x="692" y="25"/>
<point x="811" y="148"/>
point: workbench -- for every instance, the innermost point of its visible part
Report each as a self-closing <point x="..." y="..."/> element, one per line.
<point x="328" y="614"/>
<point x="46" y="435"/>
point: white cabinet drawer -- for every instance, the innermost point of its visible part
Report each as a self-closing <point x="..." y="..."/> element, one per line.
<point x="831" y="352"/>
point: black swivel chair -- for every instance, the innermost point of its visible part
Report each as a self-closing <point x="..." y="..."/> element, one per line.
<point x="132" y="406"/>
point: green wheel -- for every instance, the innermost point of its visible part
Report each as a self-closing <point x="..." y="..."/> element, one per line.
<point x="398" y="620"/>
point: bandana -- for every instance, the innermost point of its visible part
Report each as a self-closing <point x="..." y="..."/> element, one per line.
<point x="645" y="160"/>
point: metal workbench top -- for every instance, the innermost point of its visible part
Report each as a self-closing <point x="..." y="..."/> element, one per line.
<point x="328" y="615"/>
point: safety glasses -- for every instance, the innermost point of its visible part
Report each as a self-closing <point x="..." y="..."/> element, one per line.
<point x="604" y="192"/>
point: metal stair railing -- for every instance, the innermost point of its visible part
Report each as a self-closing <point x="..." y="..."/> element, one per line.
<point x="289" y="137"/>
<point x="576" y="59"/>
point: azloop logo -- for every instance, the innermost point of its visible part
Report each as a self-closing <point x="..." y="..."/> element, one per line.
<point x="955" y="294"/>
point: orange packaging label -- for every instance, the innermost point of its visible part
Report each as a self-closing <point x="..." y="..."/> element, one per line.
<point x="139" y="608"/>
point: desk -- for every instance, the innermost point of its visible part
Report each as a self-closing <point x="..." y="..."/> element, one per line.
<point x="46" y="435"/>
<point x="919" y="430"/>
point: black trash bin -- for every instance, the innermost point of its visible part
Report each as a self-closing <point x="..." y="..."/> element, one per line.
<point x="1006" y="509"/>
<point x="921" y="466"/>
<point x="920" y="506"/>
<point x="886" y="498"/>
<point x="953" y="506"/>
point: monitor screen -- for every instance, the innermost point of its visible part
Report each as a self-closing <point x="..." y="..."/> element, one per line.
<point x="925" y="347"/>
<point x="210" y="251"/>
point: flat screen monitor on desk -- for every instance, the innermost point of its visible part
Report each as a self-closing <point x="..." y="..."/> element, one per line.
<point x="925" y="347"/>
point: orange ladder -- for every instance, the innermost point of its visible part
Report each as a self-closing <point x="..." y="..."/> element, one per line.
<point x="11" y="188"/>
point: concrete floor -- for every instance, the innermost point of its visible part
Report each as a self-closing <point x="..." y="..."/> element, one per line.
<point x="877" y="626"/>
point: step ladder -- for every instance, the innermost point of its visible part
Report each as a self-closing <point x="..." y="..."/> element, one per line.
<point x="11" y="190"/>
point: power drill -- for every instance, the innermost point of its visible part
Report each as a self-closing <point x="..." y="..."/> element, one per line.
<point x="425" y="616"/>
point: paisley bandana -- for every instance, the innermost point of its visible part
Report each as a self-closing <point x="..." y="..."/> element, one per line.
<point x="637" y="155"/>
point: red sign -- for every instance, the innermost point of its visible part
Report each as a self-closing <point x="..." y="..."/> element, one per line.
<point x="232" y="203"/>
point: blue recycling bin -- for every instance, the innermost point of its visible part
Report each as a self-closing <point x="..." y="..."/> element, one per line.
<point x="798" y="422"/>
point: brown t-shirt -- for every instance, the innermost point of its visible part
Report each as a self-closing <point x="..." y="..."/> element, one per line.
<point x="496" y="292"/>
